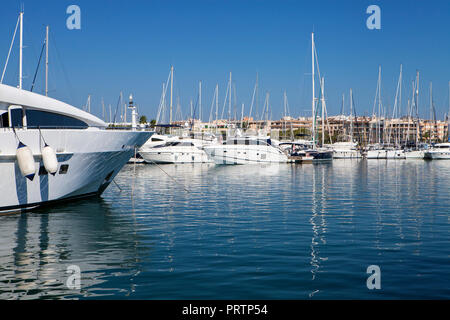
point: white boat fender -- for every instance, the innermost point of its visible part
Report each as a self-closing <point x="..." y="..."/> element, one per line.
<point x="49" y="159"/>
<point x="26" y="161"/>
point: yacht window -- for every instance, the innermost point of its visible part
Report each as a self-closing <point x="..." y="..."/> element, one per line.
<point x="16" y="117"/>
<point x="247" y="142"/>
<point x="43" y="119"/>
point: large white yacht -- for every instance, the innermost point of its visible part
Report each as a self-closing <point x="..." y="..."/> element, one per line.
<point x="245" y="150"/>
<point x="180" y="150"/>
<point x="88" y="156"/>
<point x="51" y="151"/>
<point x="440" y="151"/>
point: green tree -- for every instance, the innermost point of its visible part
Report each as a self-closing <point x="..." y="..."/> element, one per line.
<point x="143" y="120"/>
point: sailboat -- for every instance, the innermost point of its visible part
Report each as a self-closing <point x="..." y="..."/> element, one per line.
<point x="52" y="151"/>
<point x="388" y="150"/>
<point x="347" y="149"/>
<point x="417" y="152"/>
<point x="316" y="153"/>
<point x="440" y="151"/>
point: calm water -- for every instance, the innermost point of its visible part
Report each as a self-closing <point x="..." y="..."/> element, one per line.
<point x="241" y="232"/>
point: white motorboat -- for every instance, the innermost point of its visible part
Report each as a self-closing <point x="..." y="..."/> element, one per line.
<point x="177" y="151"/>
<point x="440" y="151"/>
<point x="245" y="150"/>
<point x="345" y="150"/>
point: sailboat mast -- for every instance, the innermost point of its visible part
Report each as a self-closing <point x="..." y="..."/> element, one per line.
<point x="217" y="102"/>
<point x="20" y="49"/>
<point x="351" y="115"/>
<point x="323" y="110"/>
<point x="229" y="99"/>
<point x="200" y="101"/>
<point x="171" y="94"/>
<point x="431" y="108"/>
<point x="46" y="60"/>
<point x="379" y="105"/>
<point x="313" y="94"/>
<point x="242" y="116"/>
<point x="417" y="109"/>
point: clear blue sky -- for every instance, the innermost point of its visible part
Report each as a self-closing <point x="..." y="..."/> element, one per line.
<point x="129" y="46"/>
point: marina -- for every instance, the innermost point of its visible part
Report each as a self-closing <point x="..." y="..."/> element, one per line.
<point x="273" y="231"/>
<point x="188" y="174"/>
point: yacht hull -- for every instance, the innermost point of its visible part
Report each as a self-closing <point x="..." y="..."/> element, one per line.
<point x="189" y="155"/>
<point x="385" y="154"/>
<point x="235" y="154"/>
<point x="88" y="161"/>
<point x="437" y="155"/>
<point x="414" y="154"/>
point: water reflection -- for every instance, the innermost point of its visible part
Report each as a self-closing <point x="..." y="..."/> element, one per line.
<point x="317" y="220"/>
<point x="238" y="232"/>
<point x="34" y="258"/>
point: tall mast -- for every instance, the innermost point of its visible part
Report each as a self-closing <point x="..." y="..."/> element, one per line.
<point x="313" y="95"/>
<point x="242" y="116"/>
<point x="217" y="102"/>
<point x="20" y="50"/>
<point x="431" y="108"/>
<point x="399" y="105"/>
<point x="200" y="101"/>
<point x="323" y="110"/>
<point x="417" y="109"/>
<point x="46" y="60"/>
<point x="229" y="100"/>
<point x="379" y="105"/>
<point x="351" y="115"/>
<point x="285" y="112"/>
<point x="171" y="94"/>
<point x="342" y="113"/>
<point x="256" y="97"/>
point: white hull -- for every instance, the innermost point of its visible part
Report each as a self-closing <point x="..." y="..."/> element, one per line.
<point x="93" y="158"/>
<point x="437" y="155"/>
<point x="248" y="154"/>
<point x="385" y="154"/>
<point x="175" y="155"/>
<point x="414" y="154"/>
